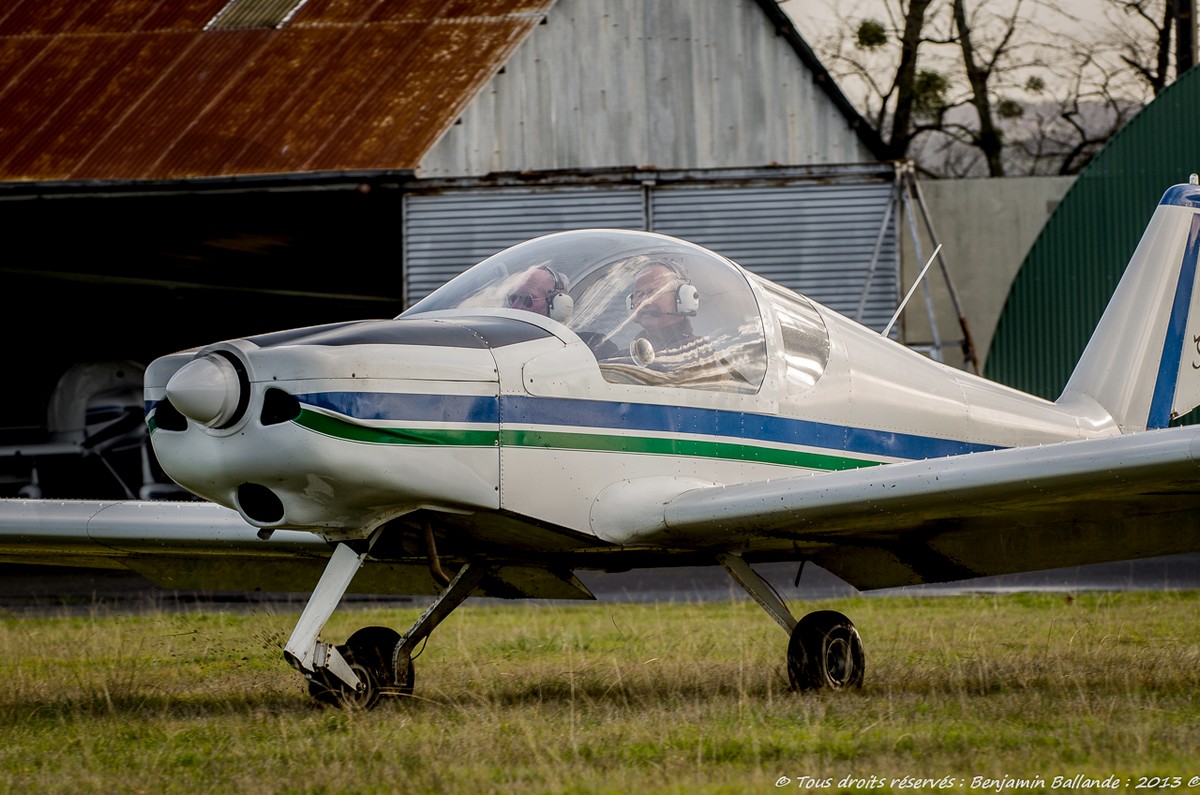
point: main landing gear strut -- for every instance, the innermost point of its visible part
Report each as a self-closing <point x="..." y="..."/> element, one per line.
<point x="824" y="650"/>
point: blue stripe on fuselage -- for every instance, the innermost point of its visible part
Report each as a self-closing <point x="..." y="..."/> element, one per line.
<point x="645" y="417"/>
<point x="396" y="407"/>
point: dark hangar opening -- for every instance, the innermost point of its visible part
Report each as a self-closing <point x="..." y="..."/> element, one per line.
<point x="119" y="274"/>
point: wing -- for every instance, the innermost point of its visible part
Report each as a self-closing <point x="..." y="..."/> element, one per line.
<point x="203" y="546"/>
<point x="939" y="520"/>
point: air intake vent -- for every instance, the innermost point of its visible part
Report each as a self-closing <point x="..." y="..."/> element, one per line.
<point x="250" y="14"/>
<point x="279" y="407"/>
<point x="168" y="418"/>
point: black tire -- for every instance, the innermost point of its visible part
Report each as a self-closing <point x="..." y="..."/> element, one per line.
<point x="825" y="651"/>
<point x="368" y="652"/>
<point x="328" y="689"/>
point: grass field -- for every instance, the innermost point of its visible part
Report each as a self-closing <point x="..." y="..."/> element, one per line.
<point x="961" y="691"/>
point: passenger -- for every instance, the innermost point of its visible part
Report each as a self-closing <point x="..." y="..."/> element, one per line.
<point x="543" y="290"/>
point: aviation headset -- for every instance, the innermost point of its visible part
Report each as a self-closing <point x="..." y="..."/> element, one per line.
<point x="687" y="297"/>
<point x="559" y="303"/>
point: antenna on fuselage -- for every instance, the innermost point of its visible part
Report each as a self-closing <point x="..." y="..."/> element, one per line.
<point x="912" y="289"/>
<point x="906" y="200"/>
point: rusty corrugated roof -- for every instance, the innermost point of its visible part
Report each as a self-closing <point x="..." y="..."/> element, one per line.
<point x="139" y="90"/>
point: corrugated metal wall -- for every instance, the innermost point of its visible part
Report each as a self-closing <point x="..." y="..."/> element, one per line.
<point x="815" y="236"/>
<point x="1074" y="266"/>
<point x="816" y="239"/>
<point x="446" y="232"/>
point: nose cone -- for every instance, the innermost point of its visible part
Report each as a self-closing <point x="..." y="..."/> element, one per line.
<point x="206" y="390"/>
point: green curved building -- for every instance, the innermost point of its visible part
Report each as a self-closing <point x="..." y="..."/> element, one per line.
<point x="1074" y="265"/>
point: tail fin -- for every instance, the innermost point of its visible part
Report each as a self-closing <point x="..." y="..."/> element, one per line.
<point x="1142" y="364"/>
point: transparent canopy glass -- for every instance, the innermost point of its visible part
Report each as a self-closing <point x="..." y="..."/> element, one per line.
<point x="653" y="309"/>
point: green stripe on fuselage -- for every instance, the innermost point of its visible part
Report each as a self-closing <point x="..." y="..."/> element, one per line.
<point x="560" y="440"/>
<point x="699" y="448"/>
<point x="352" y="432"/>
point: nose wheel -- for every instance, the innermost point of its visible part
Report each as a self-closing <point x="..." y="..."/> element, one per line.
<point x="369" y="652"/>
<point x="825" y="651"/>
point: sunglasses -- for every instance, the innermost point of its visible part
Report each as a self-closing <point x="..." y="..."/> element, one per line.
<point x="522" y="299"/>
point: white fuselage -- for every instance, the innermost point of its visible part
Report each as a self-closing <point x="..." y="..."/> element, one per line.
<point x="386" y="425"/>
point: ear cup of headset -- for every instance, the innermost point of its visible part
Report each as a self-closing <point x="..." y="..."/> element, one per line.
<point x="559" y="304"/>
<point x="687" y="300"/>
<point x="561" y="307"/>
<point x="687" y="297"/>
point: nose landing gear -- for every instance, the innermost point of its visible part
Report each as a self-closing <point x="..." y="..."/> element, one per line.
<point x="374" y="662"/>
<point x="369" y="652"/>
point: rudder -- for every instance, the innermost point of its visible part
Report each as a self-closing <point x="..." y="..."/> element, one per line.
<point x="1142" y="364"/>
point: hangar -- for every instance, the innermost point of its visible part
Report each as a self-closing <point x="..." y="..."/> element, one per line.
<point x="1074" y="265"/>
<point x="178" y="173"/>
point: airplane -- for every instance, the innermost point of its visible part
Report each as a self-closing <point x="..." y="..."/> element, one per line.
<point x="605" y="400"/>
<point x="94" y="417"/>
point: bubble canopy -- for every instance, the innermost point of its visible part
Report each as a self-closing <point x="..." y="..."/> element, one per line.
<point x="653" y="309"/>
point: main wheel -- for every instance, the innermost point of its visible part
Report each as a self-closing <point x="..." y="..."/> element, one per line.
<point x="825" y="651"/>
<point x="369" y="654"/>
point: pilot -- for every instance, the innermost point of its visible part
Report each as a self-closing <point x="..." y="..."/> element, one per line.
<point x="543" y="290"/>
<point x="663" y="302"/>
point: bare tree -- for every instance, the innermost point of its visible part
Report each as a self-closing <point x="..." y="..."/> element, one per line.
<point x="1156" y="38"/>
<point x="910" y="87"/>
<point x="1153" y="62"/>
<point x="1061" y="134"/>
<point x="1058" y="99"/>
<point x="981" y="70"/>
<point x="878" y="56"/>
<point x="1185" y="36"/>
<point x="973" y="88"/>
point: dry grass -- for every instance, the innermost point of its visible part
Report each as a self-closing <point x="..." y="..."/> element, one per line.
<point x="609" y="698"/>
